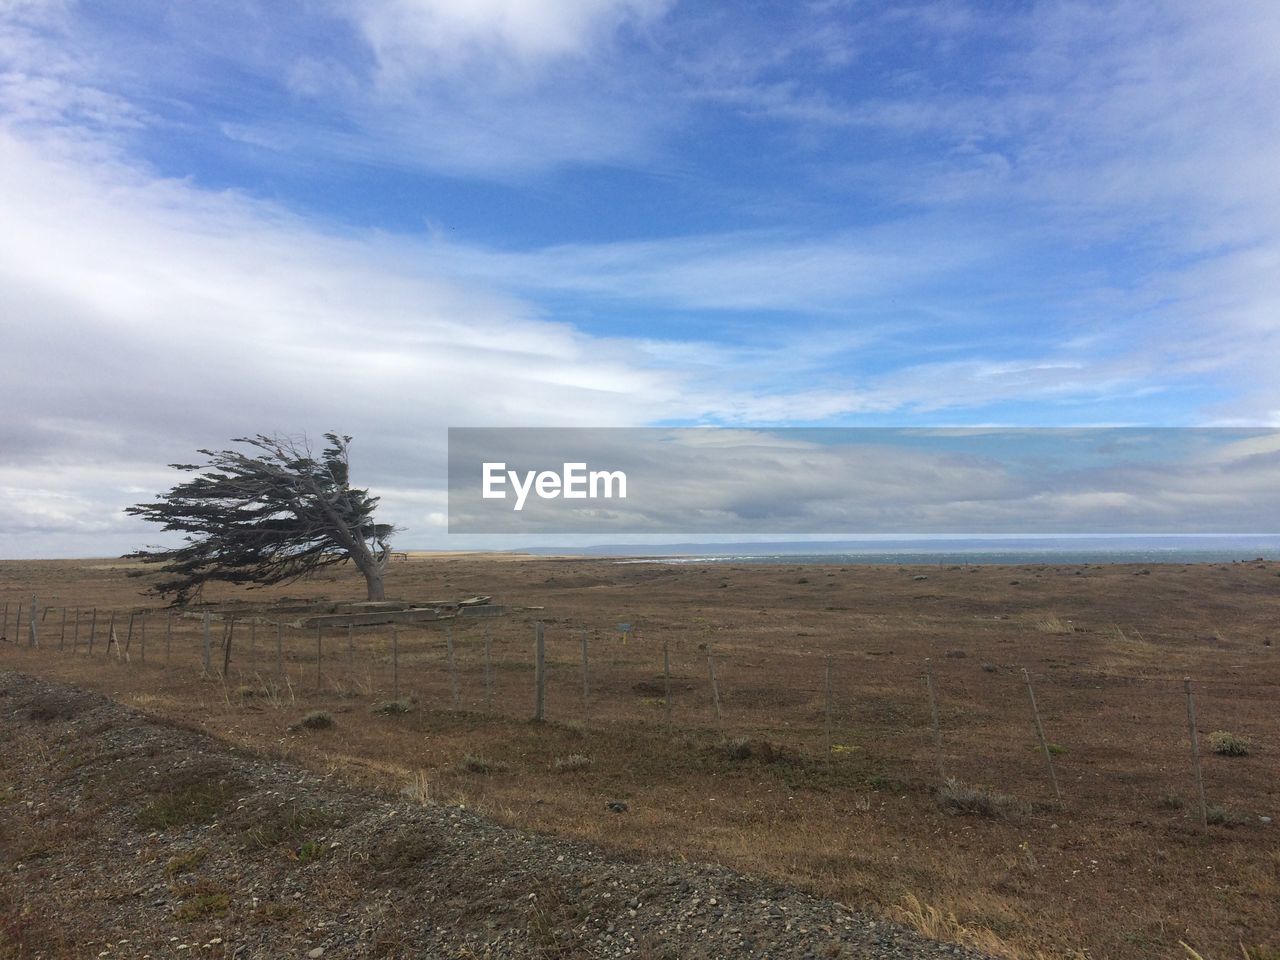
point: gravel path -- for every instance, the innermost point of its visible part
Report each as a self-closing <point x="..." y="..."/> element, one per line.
<point x="124" y="836"/>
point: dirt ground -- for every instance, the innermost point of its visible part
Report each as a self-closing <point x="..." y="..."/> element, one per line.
<point x="1119" y="867"/>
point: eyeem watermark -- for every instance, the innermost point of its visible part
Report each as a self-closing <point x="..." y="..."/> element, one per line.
<point x="574" y="482"/>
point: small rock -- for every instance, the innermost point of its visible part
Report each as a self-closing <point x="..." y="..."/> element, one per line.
<point x="618" y="806"/>
<point x="316" y="954"/>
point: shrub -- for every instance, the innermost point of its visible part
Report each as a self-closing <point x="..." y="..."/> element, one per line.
<point x="392" y="707"/>
<point x="963" y="800"/>
<point x="315" y="720"/>
<point x="573" y="762"/>
<point x="474" y="764"/>
<point x="1228" y="744"/>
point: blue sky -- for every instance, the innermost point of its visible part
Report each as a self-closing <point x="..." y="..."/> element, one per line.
<point x="391" y="217"/>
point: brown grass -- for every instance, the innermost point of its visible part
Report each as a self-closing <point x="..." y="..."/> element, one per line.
<point x="1112" y="870"/>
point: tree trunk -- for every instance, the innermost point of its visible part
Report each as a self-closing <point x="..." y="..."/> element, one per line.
<point x="373" y="579"/>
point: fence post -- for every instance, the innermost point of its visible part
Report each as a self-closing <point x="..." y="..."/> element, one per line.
<point x="111" y="634"/>
<point x="666" y="680"/>
<point x="453" y="668"/>
<point x="827" y="706"/>
<point x="488" y="671"/>
<point x="206" y="648"/>
<point x="933" y="713"/>
<point x="586" y="681"/>
<point x="1195" y="751"/>
<point x="4" y="623"/>
<point x="17" y="624"/>
<point x="715" y="688"/>
<point x="62" y="630"/>
<point x="1044" y="743"/>
<point x="226" y="647"/>
<point x="128" y="636"/>
<point x="32" y="640"/>
<point x="539" y="672"/>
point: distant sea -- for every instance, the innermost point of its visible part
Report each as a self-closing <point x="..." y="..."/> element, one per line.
<point x="948" y="552"/>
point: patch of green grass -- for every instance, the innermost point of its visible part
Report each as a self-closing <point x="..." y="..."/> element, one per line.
<point x="288" y="824"/>
<point x="310" y="851"/>
<point x="186" y="862"/>
<point x="193" y="803"/>
<point x="1170" y="801"/>
<point x="1224" y="817"/>
<point x="1228" y="744"/>
<point x="203" y="902"/>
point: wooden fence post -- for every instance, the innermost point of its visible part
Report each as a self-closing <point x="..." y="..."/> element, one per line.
<point x="488" y="671"/>
<point x="226" y="647"/>
<point x="666" y="680"/>
<point x="62" y="630"/>
<point x="1195" y="751"/>
<point x="32" y="640"/>
<point x="453" y="668"/>
<point x="715" y="688"/>
<point x="933" y="713"/>
<point x="128" y="636"/>
<point x="539" y="672"/>
<point x="586" y="681"/>
<point x="1044" y="743"/>
<point x="111" y="634"/>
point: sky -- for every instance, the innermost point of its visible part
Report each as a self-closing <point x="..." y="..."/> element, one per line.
<point x="391" y="217"/>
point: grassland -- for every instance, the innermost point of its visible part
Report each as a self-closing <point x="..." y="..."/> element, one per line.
<point x="1119" y="867"/>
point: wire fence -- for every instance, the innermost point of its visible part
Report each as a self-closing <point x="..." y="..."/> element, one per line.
<point x="1069" y="731"/>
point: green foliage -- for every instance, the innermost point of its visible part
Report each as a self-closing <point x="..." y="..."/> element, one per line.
<point x="264" y="518"/>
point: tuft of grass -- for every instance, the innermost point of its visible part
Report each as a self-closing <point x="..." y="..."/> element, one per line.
<point x="963" y="799"/>
<point x="1228" y="744"/>
<point x="1053" y="624"/>
<point x="194" y="803"/>
<point x="202" y="902"/>
<point x="1223" y="817"/>
<point x="392" y="708"/>
<point x="186" y="862"/>
<point x="315" y="720"/>
<point x="572" y="763"/>
<point x="404" y="850"/>
<point x="287" y="824"/>
<point x="474" y="764"/>
<point x="942" y="926"/>
<point x="1170" y="801"/>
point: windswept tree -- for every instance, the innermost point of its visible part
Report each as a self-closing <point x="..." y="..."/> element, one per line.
<point x="270" y="515"/>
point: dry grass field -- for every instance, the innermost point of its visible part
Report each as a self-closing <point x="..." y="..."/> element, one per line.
<point x="1120" y="867"/>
